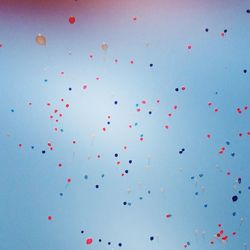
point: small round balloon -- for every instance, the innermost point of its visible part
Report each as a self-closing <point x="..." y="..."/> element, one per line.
<point x="104" y="46"/>
<point x="40" y="39"/>
<point x="72" y="19"/>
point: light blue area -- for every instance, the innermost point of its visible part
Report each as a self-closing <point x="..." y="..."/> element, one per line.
<point x="31" y="182"/>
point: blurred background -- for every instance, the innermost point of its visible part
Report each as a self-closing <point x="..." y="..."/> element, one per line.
<point x="124" y="124"/>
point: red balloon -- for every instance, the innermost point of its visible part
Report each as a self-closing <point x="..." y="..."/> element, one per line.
<point x="89" y="241"/>
<point x="72" y="19"/>
<point x="224" y="238"/>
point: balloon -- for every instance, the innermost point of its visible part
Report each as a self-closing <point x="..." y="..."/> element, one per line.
<point x="104" y="46"/>
<point x="89" y="241"/>
<point x="72" y="19"/>
<point x="40" y="39"/>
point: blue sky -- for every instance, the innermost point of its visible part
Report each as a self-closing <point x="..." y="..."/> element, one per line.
<point x="196" y="187"/>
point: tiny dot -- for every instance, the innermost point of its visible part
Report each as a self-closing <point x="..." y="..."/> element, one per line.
<point x="72" y="19"/>
<point x="234" y="198"/>
<point x="206" y="29"/>
<point x="151" y="64"/>
<point x="151" y="238"/>
<point x="89" y="241"/>
<point x="176" y="89"/>
<point x="116" y="102"/>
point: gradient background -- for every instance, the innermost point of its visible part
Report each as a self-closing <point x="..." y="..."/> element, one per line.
<point x="31" y="182"/>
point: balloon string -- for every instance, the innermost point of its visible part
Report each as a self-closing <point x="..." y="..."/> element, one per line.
<point x="92" y="140"/>
<point x="149" y="161"/>
<point x="73" y="157"/>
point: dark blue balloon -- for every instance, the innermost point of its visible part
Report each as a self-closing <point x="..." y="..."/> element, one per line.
<point x="234" y="198"/>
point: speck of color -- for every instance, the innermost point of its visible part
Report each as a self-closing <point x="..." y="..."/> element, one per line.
<point x="72" y="19"/>
<point x="89" y="241"/>
<point x="234" y="198"/>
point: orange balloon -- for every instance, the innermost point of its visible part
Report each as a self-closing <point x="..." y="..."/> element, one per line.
<point x="40" y="39"/>
<point x="104" y="46"/>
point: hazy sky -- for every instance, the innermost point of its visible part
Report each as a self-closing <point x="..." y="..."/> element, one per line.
<point x="128" y="128"/>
